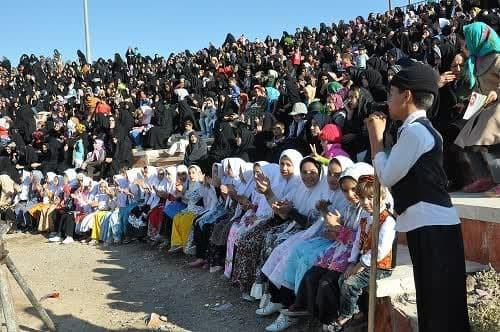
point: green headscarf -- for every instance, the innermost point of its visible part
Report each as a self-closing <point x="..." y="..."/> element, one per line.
<point x="480" y="40"/>
<point x="333" y="87"/>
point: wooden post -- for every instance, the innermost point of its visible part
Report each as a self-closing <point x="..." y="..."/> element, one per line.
<point x="374" y="253"/>
<point x="7" y="303"/>
<point x="29" y="294"/>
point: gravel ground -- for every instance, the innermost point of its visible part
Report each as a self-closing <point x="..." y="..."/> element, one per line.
<point x="114" y="288"/>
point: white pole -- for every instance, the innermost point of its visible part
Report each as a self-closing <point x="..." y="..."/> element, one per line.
<point x="87" y="32"/>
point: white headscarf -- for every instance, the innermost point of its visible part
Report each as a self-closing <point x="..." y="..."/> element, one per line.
<point x="357" y="170"/>
<point x="171" y="172"/>
<point x="304" y="199"/>
<point x="286" y="187"/>
<point x="71" y="175"/>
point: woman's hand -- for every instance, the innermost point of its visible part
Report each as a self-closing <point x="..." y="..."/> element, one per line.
<point x="446" y="78"/>
<point x="332" y="219"/>
<point x="322" y="206"/>
<point x="492" y="97"/>
<point x="262" y="184"/>
<point x="314" y="152"/>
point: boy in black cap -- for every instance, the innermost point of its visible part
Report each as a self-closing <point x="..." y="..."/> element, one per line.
<point x="414" y="172"/>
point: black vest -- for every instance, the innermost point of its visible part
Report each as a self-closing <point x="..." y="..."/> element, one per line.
<point x="426" y="180"/>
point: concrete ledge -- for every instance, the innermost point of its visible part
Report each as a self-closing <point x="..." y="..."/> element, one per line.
<point x="401" y="281"/>
<point x="477" y="207"/>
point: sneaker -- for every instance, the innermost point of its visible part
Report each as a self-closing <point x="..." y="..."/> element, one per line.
<point x="282" y="323"/>
<point x="269" y="309"/>
<point x="93" y="243"/>
<point x="247" y="297"/>
<point x="55" y="239"/>
<point x="215" y="269"/>
<point x="52" y="234"/>
<point x="68" y="240"/>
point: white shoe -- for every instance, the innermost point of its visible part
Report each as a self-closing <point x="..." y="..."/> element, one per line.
<point x="55" y="238"/>
<point x="247" y="297"/>
<point x="282" y="323"/>
<point x="269" y="309"/>
<point x="68" y="240"/>
<point x="215" y="269"/>
<point x="52" y="234"/>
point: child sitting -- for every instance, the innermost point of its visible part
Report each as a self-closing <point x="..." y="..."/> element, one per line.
<point x="357" y="275"/>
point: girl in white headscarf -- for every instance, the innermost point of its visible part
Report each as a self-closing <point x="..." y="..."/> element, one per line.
<point x="162" y="195"/>
<point x="256" y="208"/>
<point x="247" y="259"/>
<point x="183" y="221"/>
<point x="238" y="182"/>
<point x="202" y="228"/>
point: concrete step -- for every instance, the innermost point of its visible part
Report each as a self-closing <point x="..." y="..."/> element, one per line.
<point x="401" y="281"/>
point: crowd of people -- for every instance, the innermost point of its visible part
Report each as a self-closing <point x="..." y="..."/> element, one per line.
<point x="282" y="201"/>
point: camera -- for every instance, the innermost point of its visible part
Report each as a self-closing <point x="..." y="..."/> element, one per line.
<point x="375" y="107"/>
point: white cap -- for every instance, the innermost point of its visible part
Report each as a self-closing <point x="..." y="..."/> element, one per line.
<point x="299" y="108"/>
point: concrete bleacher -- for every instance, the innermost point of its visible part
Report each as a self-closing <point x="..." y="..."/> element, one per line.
<point x="160" y="157"/>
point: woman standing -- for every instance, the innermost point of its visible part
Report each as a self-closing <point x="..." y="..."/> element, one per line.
<point x="481" y="133"/>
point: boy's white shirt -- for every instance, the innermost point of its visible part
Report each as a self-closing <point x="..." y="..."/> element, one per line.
<point x="414" y="140"/>
<point x="386" y="238"/>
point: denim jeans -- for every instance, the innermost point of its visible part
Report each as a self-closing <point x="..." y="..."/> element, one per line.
<point x="352" y="288"/>
<point x="207" y="125"/>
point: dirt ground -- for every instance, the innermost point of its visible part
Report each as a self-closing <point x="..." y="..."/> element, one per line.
<point x="113" y="288"/>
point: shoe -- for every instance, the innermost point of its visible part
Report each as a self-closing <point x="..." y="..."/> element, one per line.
<point x="247" y="297"/>
<point x="198" y="263"/>
<point x="215" y="269"/>
<point x="257" y="291"/>
<point x="190" y="251"/>
<point x="52" y="234"/>
<point x="68" y="240"/>
<point x="93" y="243"/>
<point x="479" y="186"/>
<point x="495" y="192"/>
<point x="282" y="323"/>
<point x="269" y="309"/>
<point x="265" y="300"/>
<point x="294" y="311"/>
<point x="334" y="327"/>
<point x="175" y="249"/>
<point x="55" y="239"/>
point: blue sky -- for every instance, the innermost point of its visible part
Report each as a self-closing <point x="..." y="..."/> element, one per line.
<point x="159" y="26"/>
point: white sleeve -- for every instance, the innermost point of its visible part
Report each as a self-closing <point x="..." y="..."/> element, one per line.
<point x="355" y="248"/>
<point x="385" y="240"/>
<point x="415" y="140"/>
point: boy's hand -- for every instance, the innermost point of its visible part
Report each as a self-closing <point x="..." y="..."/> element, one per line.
<point x="375" y="124"/>
<point x="353" y="269"/>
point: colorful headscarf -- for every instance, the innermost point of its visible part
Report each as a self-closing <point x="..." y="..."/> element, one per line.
<point x="480" y="40"/>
